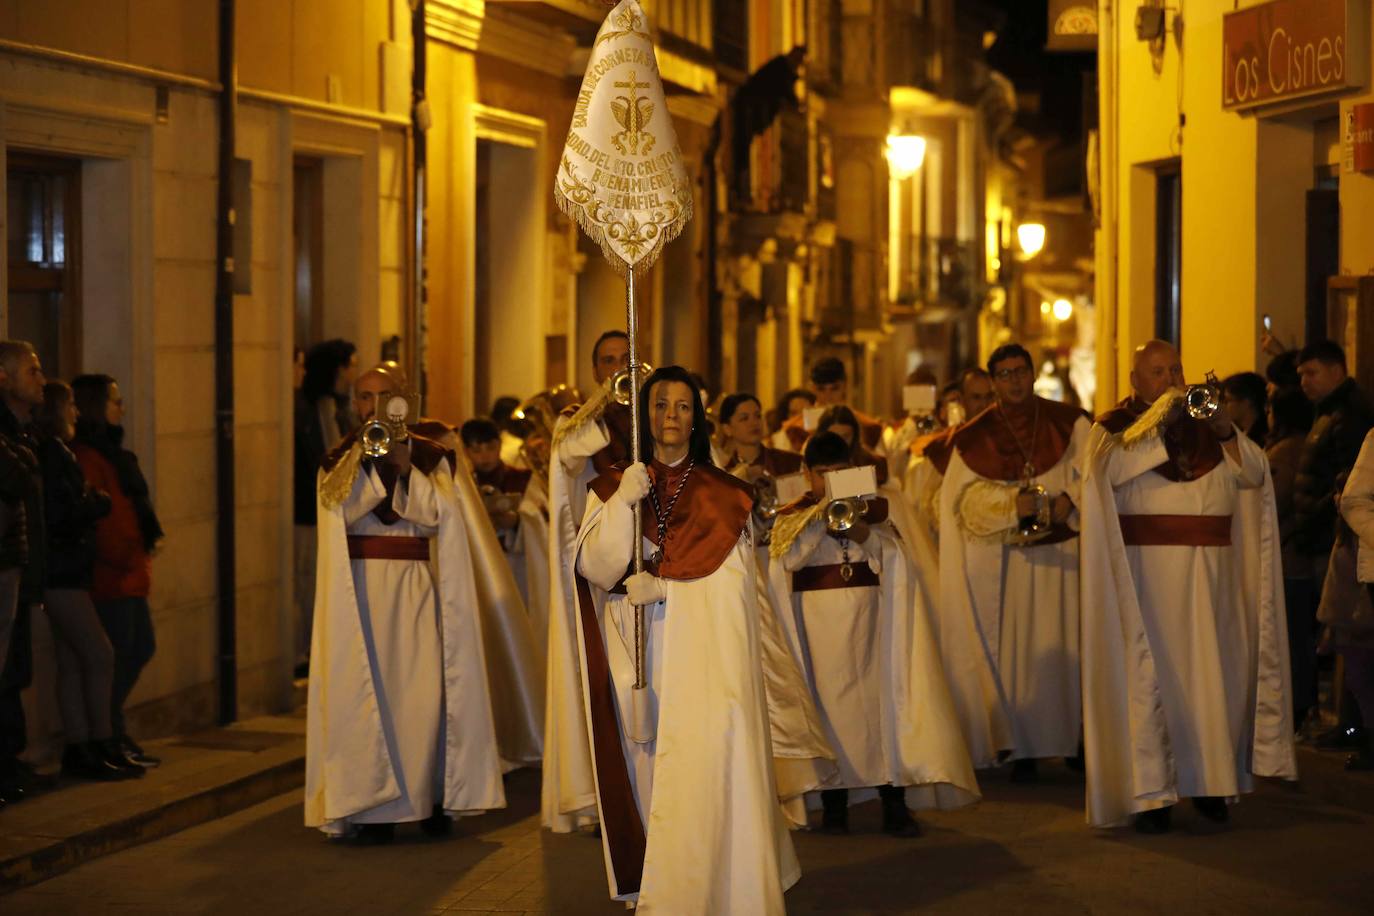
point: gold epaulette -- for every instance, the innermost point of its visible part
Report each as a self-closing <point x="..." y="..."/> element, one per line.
<point x="789" y="526"/>
<point x="337" y="482"/>
<point x="589" y="412"/>
<point x="1147" y="425"/>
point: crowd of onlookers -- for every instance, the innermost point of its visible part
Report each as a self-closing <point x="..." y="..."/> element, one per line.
<point x="1313" y="419"/>
<point x="77" y="531"/>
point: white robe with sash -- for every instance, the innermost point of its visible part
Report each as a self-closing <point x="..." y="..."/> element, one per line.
<point x="1185" y="666"/>
<point x="871" y="661"/>
<point x="399" y="715"/>
<point x="1009" y="616"/>
<point x="714" y="838"/>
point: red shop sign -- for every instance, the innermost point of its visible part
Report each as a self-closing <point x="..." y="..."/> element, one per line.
<point x="1289" y="49"/>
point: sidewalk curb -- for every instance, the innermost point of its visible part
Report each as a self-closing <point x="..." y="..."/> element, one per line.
<point x="180" y="805"/>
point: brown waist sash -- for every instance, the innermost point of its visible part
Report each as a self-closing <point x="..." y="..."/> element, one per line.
<point x="1176" y="530"/>
<point x="820" y="578"/>
<point x="385" y="547"/>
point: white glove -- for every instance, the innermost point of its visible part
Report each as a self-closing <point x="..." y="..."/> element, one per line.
<point x="644" y="589"/>
<point x="634" y="485"/>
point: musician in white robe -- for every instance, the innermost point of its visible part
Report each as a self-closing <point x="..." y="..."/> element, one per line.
<point x="1009" y="604"/>
<point x="857" y="622"/>
<point x="686" y="795"/>
<point x="400" y="726"/>
<point x="587" y="441"/>
<point x="1185" y="670"/>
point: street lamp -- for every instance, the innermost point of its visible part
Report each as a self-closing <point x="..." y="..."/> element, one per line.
<point x="905" y="154"/>
<point x="1031" y="236"/>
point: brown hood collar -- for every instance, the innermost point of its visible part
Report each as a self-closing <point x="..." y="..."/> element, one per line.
<point x="706" y="524"/>
<point x="989" y="442"/>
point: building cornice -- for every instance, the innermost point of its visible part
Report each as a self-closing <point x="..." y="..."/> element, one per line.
<point x="695" y="109"/>
<point x="455" y="22"/>
<point x="511" y="37"/>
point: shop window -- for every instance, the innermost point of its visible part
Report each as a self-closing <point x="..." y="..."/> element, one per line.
<point x="1168" y="254"/>
<point x="43" y="203"/>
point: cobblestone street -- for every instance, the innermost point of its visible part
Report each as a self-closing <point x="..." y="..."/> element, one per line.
<point x="1023" y="850"/>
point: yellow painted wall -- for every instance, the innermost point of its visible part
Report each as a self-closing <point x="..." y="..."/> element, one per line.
<point x="175" y="35"/>
<point x="1245" y="179"/>
<point x="451" y="212"/>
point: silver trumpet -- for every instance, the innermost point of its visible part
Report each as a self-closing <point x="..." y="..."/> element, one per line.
<point x="388" y="426"/>
<point x="1036" y="523"/>
<point x="1203" y="401"/>
<point x="766" y="499"/>
<point x="495" y="501"/>
<point x="841" y="515"/>
<point x="622" y="387"/>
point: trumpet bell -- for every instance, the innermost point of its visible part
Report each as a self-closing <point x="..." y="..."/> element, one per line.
<point x="623" y="386"/>
<point x="1203" y="401"/>
<point x="842" y="515"/>
<point x="376" y="439"/>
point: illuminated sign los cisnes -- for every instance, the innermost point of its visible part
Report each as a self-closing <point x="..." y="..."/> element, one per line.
<point x="1292" y="48"/>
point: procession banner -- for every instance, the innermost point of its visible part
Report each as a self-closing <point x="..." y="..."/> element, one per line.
<point x="621" y="176"/>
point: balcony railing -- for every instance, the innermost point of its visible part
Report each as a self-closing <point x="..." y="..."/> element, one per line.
<point x="938" y="272"/>
<point x="780" y="166"/>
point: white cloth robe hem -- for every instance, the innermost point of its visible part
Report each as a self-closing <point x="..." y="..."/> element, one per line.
<point x="922" y="744"/>
<point x="1130" y="765"/>
<point x="348" y="765"/>
<point x="567" y="798"/>
<point x="516" y="679"/>
<point x="703" y="870"/>
<point x="974" y="594"/>
<point x="534" y="555"/>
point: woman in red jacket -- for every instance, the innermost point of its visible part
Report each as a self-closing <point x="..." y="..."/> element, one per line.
<point x="124" y="542"/>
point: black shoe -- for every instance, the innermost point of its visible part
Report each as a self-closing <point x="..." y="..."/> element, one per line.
<point x="13" y="786"/>
<point x="1025" y="770"/>
<point x="113" y="751"/>
<point x="1362" y="761"/>
<point x="1342" y="738"/>
<point x="135" y="754"/>
<point x="376" y="834"/>
<point x="437" y="824"/>
<point x="83" y="761"/>
<point x="1155" y="822"/>
<point x="897" y="820"/>
<point x="1212" y="807"/>
<point x="835" y="811"/>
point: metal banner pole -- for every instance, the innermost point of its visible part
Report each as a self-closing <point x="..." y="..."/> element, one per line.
<point x="632" y="322"/>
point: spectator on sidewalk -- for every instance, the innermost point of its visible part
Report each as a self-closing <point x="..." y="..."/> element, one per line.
<point x="1342" y="415"/>
<point x="324" y="416"/>
<point x="1245" y="395"/>
<point x="24" y="550"/>
<point x="1290" y="418"/>
<point x="124" y="542"/>
<point x="1353" y="633"/>
<point x="85" y="659"/>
